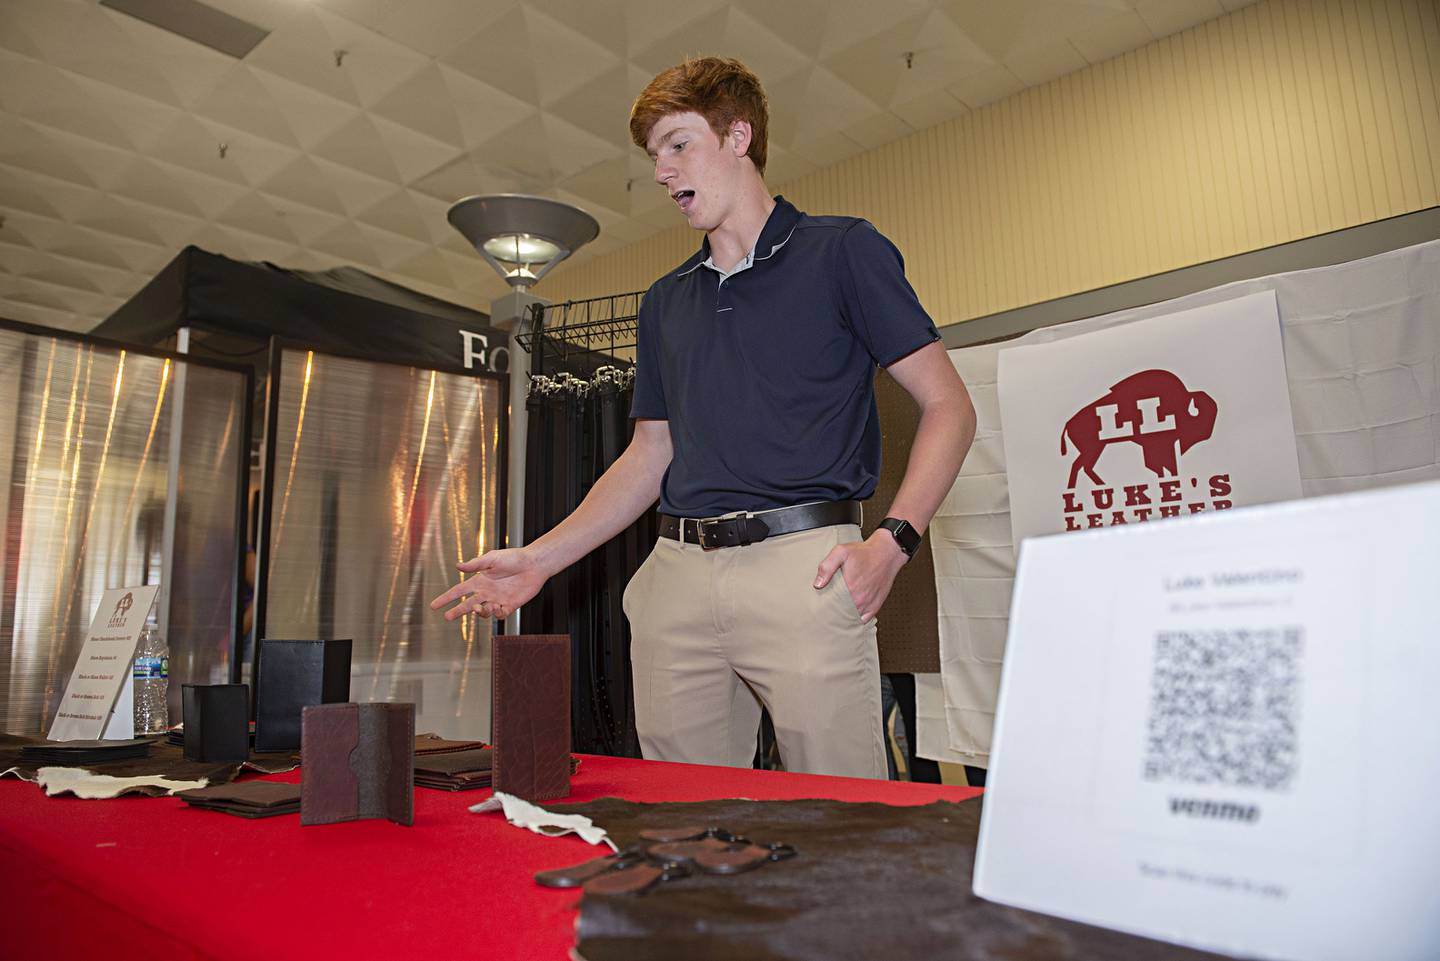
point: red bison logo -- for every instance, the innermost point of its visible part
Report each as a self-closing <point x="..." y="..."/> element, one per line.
<point x="1153" y="409"/>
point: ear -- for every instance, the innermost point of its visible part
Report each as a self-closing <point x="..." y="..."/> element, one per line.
<point x="739" y="138"/>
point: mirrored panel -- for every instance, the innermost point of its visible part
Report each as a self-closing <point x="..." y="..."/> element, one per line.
<point x="116" y="469"/>
<point x="382" y="478"/>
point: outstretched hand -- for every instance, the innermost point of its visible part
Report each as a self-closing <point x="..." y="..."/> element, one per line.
<point x="868" y="568"/>
<point x="500" y="582"/>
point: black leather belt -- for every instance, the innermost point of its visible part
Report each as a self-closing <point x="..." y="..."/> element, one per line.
<point x="713" y="532"/>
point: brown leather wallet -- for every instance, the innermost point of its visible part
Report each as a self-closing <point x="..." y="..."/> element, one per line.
<point x="530" y="723"/>
<point x="357" y="762"/>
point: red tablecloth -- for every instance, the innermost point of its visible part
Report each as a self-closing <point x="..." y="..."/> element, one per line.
<point x="150" y="878"/>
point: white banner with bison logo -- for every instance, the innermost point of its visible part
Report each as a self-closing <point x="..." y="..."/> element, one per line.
<point x="1167" y="417"/>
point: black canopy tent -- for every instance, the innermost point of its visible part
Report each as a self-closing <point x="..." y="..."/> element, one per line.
<point x="234" y="307"/>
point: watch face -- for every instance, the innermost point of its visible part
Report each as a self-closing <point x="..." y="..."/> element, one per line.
<point x="905" y="535"/>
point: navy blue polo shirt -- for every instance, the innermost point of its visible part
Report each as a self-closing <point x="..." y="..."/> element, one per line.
<point x="767" y="376"/>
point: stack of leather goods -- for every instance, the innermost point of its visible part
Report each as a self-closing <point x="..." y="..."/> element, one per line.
<point x="461" y="770"/>
<point x="81" y="753"/>
<point x="247" y="799"/>
<point x="667" y="854"/>
<point x="454" y="771"/>
<point x="430" y="743"/>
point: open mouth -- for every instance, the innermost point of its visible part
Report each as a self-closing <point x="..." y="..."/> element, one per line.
<point x="684" y="198"/>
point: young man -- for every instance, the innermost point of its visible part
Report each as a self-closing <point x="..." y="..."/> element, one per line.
<point x="756" y="426"/>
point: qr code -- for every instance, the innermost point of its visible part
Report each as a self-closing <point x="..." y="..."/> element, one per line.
<point x="1224" y="706"/>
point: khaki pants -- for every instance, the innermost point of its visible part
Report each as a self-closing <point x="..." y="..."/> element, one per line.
<point x="716" y="634"/>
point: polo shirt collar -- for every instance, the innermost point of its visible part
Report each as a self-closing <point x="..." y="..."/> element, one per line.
<point x="778" y="227"/>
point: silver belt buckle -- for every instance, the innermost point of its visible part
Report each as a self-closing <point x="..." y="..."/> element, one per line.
<point x="700" y="527"/>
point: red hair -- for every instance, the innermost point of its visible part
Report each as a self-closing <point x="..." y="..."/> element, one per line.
<point x="722" y="91"/>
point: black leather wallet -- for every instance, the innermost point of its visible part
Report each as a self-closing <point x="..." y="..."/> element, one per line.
<point x="217" y="721"/>
<point x="292" y="676"/>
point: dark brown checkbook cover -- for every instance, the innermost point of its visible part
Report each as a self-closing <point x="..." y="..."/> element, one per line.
<point x="530" y="723"/>
<point x="357" y="761"/>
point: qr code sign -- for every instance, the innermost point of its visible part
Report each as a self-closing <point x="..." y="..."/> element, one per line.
<point x="1223" y="707"/>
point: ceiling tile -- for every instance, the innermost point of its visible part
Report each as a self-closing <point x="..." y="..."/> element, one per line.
<point x="1001" y="29"/>
<point x="265" y="14"/>
<point x="465" y="178"/>
<point x="545" y="147"/>
<point x="357" y="144"/>
<point x="849" y="23"/>
<point x="428" y="267"/>
<point x="531" y="57"/>
<point x="391" y="248"/>
<point x="302" y="181"/>
<point x="147" y="182"/>
<point x="413" y="153"/>
<point x="56" y="100"/>
<point x="302" y="50"/>
<point x="603" y="21"/>
<point x="305" y="222"/>
<point x="646" y="21"/>
<point x="109" y="215"/>
<point x="918" y="55"/>
<point x="482" y="110"/>
<point x="256" y="214"/>
<point x="170" y="229"/>
<point x="1165" y="17"/>
<point x="1039" y="63"/>
<point x="602" y="106"/>
<point x="929" y="109"/>
<point x="242" y="100"/>
<point x="254" y="158"/>
<point x="877" y="130"/>
<point x="14" y="37"/>
<point x="813" y="104"/>
<point x="987" y="86"/>
<point x="33" y="148"/>
<point x="607" y="184"/>
<point x="347" y="245"/>
<point x="210" y="194"/>
<point x="88" y="247"/>
<point x="376" y="65"/>
<point x="433" y="28"/>
<point x="21" y="190"/>
<point x="827" y="148"/>
<point x="191" y="69"/>
<point x="398" y="214"/>
<point x="309" y="115"/>
<point x="194" y="143"/>
<point x="423" y="103"/>
<point x="727" y="31"/>
<point x="357" y="191"/>
<point x="1120" y="34"/>
<point x="1232" y="5"/>
<point x="85" y="39"/>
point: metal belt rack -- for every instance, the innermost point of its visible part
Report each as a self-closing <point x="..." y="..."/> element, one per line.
<point x="579" y="329"/>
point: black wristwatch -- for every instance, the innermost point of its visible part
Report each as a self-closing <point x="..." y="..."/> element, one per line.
<point x="906" y="536"/>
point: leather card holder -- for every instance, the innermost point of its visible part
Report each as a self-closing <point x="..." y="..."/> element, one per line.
<point x="530" y="720"/>
<point x="217" y="721"/>
<point x="357" y="762"/>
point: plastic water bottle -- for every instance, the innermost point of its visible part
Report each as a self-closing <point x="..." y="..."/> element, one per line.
<point x="152" y="681"/>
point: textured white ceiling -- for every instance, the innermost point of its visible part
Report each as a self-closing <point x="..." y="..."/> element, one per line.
<point x="111" y="129"/>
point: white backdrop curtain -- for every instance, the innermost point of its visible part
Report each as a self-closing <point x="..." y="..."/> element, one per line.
<point x="1362" y="361"/>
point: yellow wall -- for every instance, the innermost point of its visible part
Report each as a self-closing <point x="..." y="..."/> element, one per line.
<point x="1283" y="120"/>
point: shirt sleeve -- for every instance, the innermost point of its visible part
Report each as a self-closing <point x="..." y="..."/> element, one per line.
<point x="649" y="399"/>
<point x="878" y="302"/>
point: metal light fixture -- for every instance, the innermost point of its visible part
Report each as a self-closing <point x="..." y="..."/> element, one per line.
<point x="522" y="237"/>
